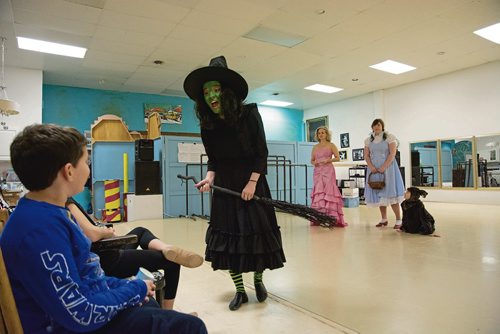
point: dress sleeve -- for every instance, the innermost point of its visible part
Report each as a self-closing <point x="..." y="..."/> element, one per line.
<point x="207" y="143"/>
<point x="79" y="302"/>
<point x="367" y="142"/>
<point x="392" y="139"/>
<point x="258" y="136"/>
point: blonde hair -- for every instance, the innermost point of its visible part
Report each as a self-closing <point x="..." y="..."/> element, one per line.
<point x="328" y="134"/>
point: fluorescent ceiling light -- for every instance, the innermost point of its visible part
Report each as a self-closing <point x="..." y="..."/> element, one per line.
<point x="276" y="103"/>
<point x="491" y="33"/>
<point x="277" y="37"/>
<point x="323" y="88"/>
<point x="392" y="66"/>
<point x="50" y="47"/>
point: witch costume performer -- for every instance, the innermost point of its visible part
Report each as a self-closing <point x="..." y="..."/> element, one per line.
<point x="243" y="235"/>
<point x="416" y="218"/>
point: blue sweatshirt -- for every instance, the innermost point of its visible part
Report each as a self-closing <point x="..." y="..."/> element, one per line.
<point x="58" y="284"/>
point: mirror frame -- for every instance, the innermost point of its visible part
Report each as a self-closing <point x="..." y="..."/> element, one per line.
<point x="476" y="184"/>
<point x="496" y="148"/>
<point x="472" y="139"/>
<point x="435" y="181"/>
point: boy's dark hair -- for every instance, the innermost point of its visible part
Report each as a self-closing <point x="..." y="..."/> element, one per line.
<point x="41" y="150"/>
<point x="416" y="193"/>
<point x="229" y="103"/>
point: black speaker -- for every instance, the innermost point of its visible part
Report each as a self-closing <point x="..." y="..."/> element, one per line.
<point x="402" y="171"/>
<point x="147" y="178"/>
<point x="398" y="158"/>
<point x="415" y="158"/>
<point x="144" y="150"/>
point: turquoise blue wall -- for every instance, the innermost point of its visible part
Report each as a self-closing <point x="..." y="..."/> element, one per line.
<point x="80" y="107"/>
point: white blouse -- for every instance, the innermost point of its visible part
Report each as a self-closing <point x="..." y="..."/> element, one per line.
<point x="378" y="138"/>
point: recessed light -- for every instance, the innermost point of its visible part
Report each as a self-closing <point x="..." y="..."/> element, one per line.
<point x="491" y="33"/>
<point x="323" y="88"/>
<point x="393" y="67"/>
<point x="275" y="103"/>
<point x="51" y="47"/>
<point x="320" y="11"/>
<point x="269" y="35"/>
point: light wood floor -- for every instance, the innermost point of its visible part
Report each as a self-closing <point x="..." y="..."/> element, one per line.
<point x="360" y="279"/>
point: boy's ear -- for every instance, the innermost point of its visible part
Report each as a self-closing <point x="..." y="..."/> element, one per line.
<point x="67" y="170"/>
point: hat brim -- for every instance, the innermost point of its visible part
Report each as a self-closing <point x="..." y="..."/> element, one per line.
<point x="193" y="84"/>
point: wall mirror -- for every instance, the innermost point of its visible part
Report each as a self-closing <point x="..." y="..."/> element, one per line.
<point x="424" y="164"/>
<point x="488" y="161"/>
<point x="457" y="166"/>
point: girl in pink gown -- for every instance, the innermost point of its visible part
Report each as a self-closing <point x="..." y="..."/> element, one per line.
<point x="325" y="194"/>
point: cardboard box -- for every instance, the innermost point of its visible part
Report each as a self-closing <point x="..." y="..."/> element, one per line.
<point x="4" y="215"/>
<point x="351" y="202"/>
<point x="142" y="207"/>
<point x="350" y="184"/>
<point x="11" y="197"/>
<point x="350" y="192"/>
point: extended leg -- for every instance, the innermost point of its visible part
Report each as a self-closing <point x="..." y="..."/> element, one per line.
<point x="172" y="253"/>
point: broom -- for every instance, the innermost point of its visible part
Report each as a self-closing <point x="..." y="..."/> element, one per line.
<point x="294" y="209"/>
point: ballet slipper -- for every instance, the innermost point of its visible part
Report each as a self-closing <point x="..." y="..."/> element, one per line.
<point x="183" y="257"/>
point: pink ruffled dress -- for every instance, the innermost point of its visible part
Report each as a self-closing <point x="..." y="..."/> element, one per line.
<point x="325" y="195"/>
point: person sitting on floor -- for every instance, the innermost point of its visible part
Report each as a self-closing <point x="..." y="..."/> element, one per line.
<point x="126" y="261"/>
<point x="416" y="219"/>
<point x="57" y="282"/>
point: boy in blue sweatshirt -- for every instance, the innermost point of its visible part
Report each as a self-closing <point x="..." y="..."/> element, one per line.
<point x="58" y="284"/>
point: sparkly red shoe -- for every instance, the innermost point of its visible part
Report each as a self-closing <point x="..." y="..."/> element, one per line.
<point x="381" y="224"/>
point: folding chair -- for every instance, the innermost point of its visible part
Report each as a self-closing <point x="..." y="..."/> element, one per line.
<point x="9" y="318"/>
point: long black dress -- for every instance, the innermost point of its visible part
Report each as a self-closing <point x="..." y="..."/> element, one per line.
<point x="242" y="236"/>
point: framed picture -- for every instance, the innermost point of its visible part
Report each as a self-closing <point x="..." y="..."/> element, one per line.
<point x="343" y="155"/>
<point x="313" y="124"/>
<point x="358" y="154"/>
<point x="169" y="114"/>
<point x="493" y="155"/>
<point x="344" y="140"/>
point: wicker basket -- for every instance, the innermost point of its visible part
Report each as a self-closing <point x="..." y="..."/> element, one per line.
<point x="377" y="185"/>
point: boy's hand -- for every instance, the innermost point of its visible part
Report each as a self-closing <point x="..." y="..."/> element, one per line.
<point x="151" y="291"/>
<point x="151" y="288"/>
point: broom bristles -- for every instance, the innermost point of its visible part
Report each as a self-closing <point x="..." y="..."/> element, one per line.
<point x="303" y="211"/>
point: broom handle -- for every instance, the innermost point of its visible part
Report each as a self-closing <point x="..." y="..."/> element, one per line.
<point x="224" y="190"/>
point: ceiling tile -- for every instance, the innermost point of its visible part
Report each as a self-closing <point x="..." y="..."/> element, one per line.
<point x="148" y="9"/>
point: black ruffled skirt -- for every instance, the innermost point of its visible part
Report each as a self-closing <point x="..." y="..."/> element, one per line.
<point x="243" y="236"/>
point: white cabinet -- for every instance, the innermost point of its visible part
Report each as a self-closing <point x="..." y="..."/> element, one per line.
<point x="142" y="207"/>
<point x="6" y="138"/>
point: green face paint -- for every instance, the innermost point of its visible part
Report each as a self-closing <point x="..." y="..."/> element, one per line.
<point x="211" y="93"/>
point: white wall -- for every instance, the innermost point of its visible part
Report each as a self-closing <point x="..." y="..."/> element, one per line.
<point x="462" y="103"/>
<point x="25" y="87"/>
